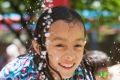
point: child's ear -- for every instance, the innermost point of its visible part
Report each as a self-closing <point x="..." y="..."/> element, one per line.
<point x="85" y="42"/>
<point x="36" y="46"/>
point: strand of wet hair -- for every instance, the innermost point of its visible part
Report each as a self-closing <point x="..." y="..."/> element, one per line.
<point x="48" y="70"/>
<point x="85" y="66"/>
<point x="52" y="68"/>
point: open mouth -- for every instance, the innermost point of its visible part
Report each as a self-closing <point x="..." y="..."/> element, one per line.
<point x="67" y="66"/>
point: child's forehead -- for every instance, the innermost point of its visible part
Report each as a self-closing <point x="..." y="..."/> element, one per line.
<point x="64" y="31"/>
<point x="65" y="25"/>
<point x="61" y="27"/>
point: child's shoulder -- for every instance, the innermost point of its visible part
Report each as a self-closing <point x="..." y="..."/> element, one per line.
<point x="17" y="65"/>
<point x="21" y="61"/>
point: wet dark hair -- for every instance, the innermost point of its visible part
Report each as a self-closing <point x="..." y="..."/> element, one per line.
<point x="96" y="60"/>
<point x="58" y="13"/>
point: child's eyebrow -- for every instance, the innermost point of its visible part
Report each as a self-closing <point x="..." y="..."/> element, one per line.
<point x="60" y="38"/>
<point x="80" y="39"/>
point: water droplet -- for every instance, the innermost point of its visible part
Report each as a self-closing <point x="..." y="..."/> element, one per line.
<point x="118" y="49"/>
<point x="44" y="30"/>
<point x="110" y="51"/>
<point x="43" y="5"/>
<point x="114" y="42"/>
<point x="30" y="7"/>
<point x="30" y="51"/>
<point x="43" y="53"/>
<point x="39" y="35"/>
<point x="50" y="10"/>
<point x="111" y="57"/>
<point x="32" y="34"/>
<point x="35" y="38"/>
<point x="44" y="17"/>
<point x="48" y="16"/>
<point x="49" y="1"/>
<point x="33" y="22"/>
<point x="47" y="34"/>
<point x="48" y="26"/>
<point x="118" y="62"/>
<point x="26" y="42"/>
<point x="38" y="3"/>
<point x="49" y="22"/>
<point x="43" y="24"/>
<point x="33" y="11"/>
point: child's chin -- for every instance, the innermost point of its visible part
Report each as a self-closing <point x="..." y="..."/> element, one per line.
<point x="66" y="76"/>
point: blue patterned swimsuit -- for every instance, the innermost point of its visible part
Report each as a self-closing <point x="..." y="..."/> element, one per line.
<point x="23" y="68"/>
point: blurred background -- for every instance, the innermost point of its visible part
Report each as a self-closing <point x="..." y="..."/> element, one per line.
<point x="18" y="20"/>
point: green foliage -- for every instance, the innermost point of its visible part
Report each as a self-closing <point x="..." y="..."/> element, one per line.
<point x="112" y="6"/>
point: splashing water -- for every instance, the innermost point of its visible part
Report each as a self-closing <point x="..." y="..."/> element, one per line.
<point x="115" y="53"/>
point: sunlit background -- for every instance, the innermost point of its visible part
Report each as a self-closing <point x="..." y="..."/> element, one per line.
<point x="18" y="20"/>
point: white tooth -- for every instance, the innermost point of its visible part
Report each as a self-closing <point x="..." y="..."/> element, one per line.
<point x="66" y="65"/>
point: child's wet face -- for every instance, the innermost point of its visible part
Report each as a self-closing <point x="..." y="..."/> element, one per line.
<point x="65" y="46"/>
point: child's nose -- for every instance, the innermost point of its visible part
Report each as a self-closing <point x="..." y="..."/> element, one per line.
<point x="70" y="55"/>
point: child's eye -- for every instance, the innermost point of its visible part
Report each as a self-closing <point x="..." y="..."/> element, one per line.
<point x="60" y="45"/>
<point x="78" y="45"/>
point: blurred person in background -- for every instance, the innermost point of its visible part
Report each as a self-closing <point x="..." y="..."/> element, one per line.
<point x="19" y="45"/>
<point x="3" y="54"/>
<point x="97" y="62"/>
<point x="14" y="50"/>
